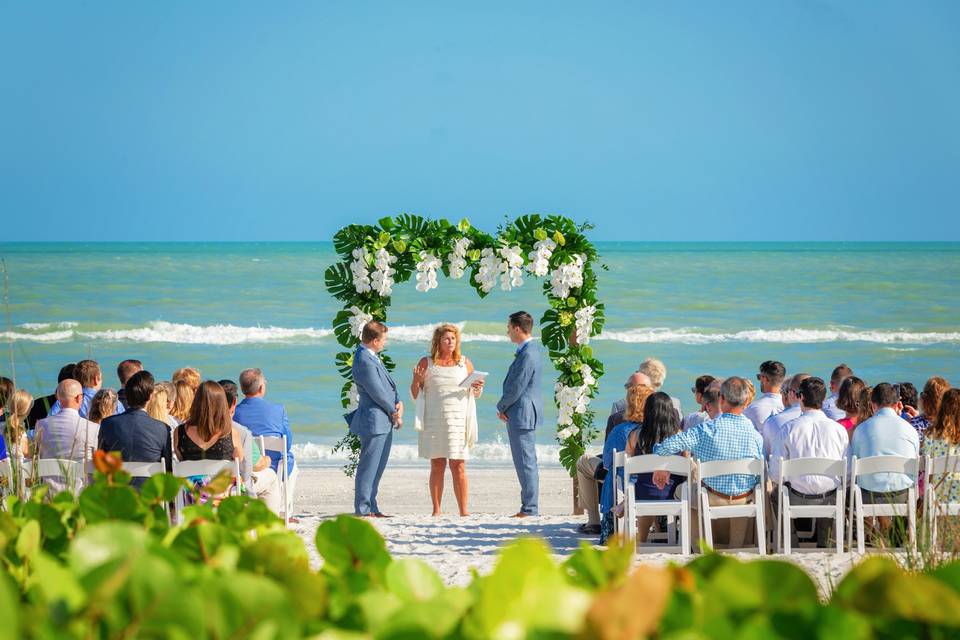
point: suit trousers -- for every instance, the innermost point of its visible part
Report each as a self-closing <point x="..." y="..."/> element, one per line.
<point x="374" y="453"/>
<point x="523" y="448"/>
<point x="587" y="486"/>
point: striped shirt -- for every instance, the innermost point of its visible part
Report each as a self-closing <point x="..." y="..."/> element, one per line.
<point x="727" y="437"/>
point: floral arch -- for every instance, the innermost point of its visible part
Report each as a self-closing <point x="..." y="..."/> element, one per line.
<point x="374" y="258"/>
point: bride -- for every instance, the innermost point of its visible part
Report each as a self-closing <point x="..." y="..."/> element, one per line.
<point x="446" y="413"/>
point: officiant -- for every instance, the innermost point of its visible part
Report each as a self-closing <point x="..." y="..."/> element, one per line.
<point x="446" y="416"/>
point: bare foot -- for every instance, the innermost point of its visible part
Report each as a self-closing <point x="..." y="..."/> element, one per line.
<point x="435" y="514"/>
<point x="464" y="514"/>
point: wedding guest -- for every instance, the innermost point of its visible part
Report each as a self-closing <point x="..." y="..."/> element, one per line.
<point x="617" y="441"/>
<point x="42" y="406"/>
<point x="378" y="413"/>
<point x="103" y="405"/>
<point x="17" y="410"/>
<point x="133" y="433"/>
<point x="158" y="407"/>
<point x="189" y="375"/>
<point x="774" y="427"/>
<point x="814" y="435"/>
<point x="771" y="377"/>
<point x="657" y="372"/>
<point x="521" y="408"/>
<point x="67" y="435"/>
<point x="660" y="421"/>
<point x="930" y="398"/>
<point x="208" y="433"/>
<point x="590" y="469"/>
<point x="943" y="439"/>
<point x="711" y="399"/>
<point x="182" y="401"/>
<point x="729" y="436"/>
<point x="909" y="398"/>
<point x="91" y="378"/>
<point x="124" y="370"/>
<point x="618" y="407"/>
<point x="695" y="418"/>
<point x="446" y="414"/>
<point x="830" y="408"/>
<point x="265" y="418"/>
<point x="885" y="434"/>
<point x="848" y="401"/>
<point x="170" y="390"/>
<point x="7" y="389"/>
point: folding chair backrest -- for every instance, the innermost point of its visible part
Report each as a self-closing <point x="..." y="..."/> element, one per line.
<point x="679" y="465"/>
<point x="942" y="464"/>
<point x="813" y="467"/>
<point x="47" y="467"/>
<point x="145" y="469"/>
<point x="188" y="468"/>
<point x="274" y="443"/>
<point x="886" y="464"/>
<point x="742" y="466"/>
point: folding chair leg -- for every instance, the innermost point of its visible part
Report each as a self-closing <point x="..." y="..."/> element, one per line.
<point x="707" y="529"/>
<point x="761" y="525"/>
<point x="685" y="548"/>
<point x="861" y="534"/>
<point x="785" y="531"/>
<point x="912" y="519"/>
<point x="838" y="526"/>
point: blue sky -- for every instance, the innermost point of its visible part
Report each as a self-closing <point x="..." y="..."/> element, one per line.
<point x="769" y="120"/>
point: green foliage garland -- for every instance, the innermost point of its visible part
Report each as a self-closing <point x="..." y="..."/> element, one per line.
<point x="407" y="237"/>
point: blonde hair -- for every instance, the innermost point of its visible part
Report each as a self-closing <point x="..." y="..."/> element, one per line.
<point x="157" y="404"/>
<point x="655" y="370"/>
<point x="751" y="390"/>
<point x="103" y="405"/>
<point x="946" y="425"/>
<point x="636" y="399"/>
<point x="19" y="408"/>
<point x="181" y="406"/>
<point x="189" y="375"/>
<point x="438" y="335"/>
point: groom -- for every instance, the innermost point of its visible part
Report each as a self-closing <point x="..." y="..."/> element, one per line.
<point x="522" y="409"/>
<point x="378" y="414"/>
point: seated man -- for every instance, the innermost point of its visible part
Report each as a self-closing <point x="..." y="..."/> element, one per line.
<point x="814" y="435"/>
<point x="772" y="430"/>
<point x="66" y="436"/>
<point x="590" y="469"/>
<point x="124" y="370"/>
<point x="729" y="436"/>
<point x="265" y="418"/>
<point x="133" y="433"/>
<point x="885" y="434"/>
<point x="88" y="373"/>
<point x="769" y="403"/>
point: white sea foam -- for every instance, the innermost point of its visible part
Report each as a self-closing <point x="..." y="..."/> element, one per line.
<point x="228" y="334"/>
<point x="489" y="453"/>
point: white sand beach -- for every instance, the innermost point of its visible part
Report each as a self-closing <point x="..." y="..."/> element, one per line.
<point x="455" y="546"/>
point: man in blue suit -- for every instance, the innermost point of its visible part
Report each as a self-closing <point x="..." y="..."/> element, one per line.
<point x="521" y="407"/>
<point x="377" y="415"/>
<point x="264" y="418"/>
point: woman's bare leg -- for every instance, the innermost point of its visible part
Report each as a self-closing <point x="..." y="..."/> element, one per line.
<point x="437" y="467"/>
<point x="458" y="469"/>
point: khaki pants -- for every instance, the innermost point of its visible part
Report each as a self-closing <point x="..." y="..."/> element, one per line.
<point x="734" y="533"/>
<point x="587" y="487"/>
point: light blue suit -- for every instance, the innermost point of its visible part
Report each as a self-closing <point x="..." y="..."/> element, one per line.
<point x="371" y="422"/>
<point x="523" y="406"/>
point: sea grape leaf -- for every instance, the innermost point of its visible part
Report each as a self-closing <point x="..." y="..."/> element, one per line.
<point x="615" y="613"/>
<point x="413" y="580"/>
<point x="350" y="544"/>
<point x="162" y="487"/>
<point x="592" y="568"/>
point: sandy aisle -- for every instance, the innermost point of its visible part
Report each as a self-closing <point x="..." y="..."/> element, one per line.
<point x="455" y="545"/>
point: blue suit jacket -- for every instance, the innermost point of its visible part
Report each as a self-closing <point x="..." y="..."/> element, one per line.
<point x="378" y="395"/>
<point x="521" y="401"/>
<point x="138" y="438"/>
<point x="265" y="418"/>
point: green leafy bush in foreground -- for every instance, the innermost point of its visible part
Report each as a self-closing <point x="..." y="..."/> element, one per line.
<point x="108" y="565"/>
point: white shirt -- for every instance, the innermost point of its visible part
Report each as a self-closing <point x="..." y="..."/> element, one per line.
<point x="773" y="430"/>
<point x="814" y="435"/>
<point x="695" y="418"/>
<point x="763" y="407"/>
<point x="67" y="436"/>
<point x="830" y="408"/>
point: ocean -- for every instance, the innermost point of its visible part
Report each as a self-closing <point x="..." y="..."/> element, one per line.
<point x="889" y="310"/>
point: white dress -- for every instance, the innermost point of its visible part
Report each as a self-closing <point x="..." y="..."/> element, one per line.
<point x="446" y="413"/>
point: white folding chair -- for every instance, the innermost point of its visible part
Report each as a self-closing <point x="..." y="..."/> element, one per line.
<point x="278" y="444"/>
<point x="743" y="466"/>
<point x="791" y="468"/>
<point x="144" y="469"/>
<point x="933" y="508"/>
<point x="882" y="464"/>
<point x="54" y="472"/>
<point x="678" y="465"/>
<point x="190" y="468"/>
<point x="6" y="473"/>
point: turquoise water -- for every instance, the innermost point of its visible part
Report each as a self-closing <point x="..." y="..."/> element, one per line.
<point x="889" y="310"/>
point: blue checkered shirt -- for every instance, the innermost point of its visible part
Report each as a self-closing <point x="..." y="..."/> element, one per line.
<point x="726" y="437"/>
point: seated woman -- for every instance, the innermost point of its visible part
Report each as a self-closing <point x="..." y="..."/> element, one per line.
<point x="848" y="400"/>
<point x="208" y="432"/>
<point x="660" y="421"/>
<point x="617" y="440"/>
<point x="942" y="438"/>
